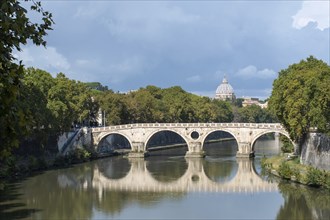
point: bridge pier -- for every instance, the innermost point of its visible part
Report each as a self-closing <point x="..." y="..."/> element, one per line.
<point x="195" y="150"/>
<point x="138" y="150"/>
<point x="244" y="150"/>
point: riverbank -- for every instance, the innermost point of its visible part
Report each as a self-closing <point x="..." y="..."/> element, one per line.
<point x="291" y="169"/>
<point x="18" y="167"/>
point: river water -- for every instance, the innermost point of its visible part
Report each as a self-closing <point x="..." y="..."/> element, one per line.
<point x="167" y="186"/>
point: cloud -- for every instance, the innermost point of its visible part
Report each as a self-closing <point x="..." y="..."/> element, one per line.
<point x="252" y="72"/>
<point x="313" y="11"/>
<point x="44" y="58"/>
<point x="194" y="79"/>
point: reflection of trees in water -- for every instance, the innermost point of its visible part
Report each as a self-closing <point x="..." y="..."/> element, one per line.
<point x="11" y="207"/>
<point x="166" y="170"/>
<point x="58" y="195"/>
<point x="301" y="202"/>
<point x="114" y="167"/>
<point x="219" y="170"/>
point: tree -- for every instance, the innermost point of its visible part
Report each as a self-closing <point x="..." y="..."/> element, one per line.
<point x="114" y="106"/>
<point x="254" y="114"/>
<point x="70" y="102"/>
<point x="16" y="29"/>
<point x="301" y="98"/>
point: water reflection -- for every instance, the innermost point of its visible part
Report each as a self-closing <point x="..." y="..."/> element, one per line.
<point x="170" y="174"/>
<point x="220" y="170"/>
<point x="114" y="167"/>
<point x="166" y="170"/>
<point x="301" y="202"/>
<point x="114" y="186"/>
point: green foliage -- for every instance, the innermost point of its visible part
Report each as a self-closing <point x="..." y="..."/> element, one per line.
<point x="70" y="102"/>
<point x="96" y="86"/>
<point x="285" y="170"/>
<point x="265" y="164"/>
<point x="316" y="177"/>
<point x="301" y="97"/>
<point x="254" y="114"/>
<point x="152" y="104"/>
<point x="16" y="29"/>
<point x="287" y="146"/>
<point x="78" y="155"/>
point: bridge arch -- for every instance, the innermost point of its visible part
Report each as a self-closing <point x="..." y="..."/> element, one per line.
<point x="255" y="138"/>
<point x="161" y="130"/>
<point x="215" y="130"/>
<point x="105" y="135"/>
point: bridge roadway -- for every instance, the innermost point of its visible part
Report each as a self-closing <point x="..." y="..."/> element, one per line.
<point x="195" y="179"/>
<point x="194" y="135"/>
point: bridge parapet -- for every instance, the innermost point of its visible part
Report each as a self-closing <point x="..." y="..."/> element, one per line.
<point x="190" y="125"/>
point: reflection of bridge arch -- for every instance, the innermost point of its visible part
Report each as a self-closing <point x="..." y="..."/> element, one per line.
<point x="268" y="132"/>
<point x="105" y="135"/>
<point x="168" y="168"/>
<point x="161" y="130"/>
<point x="194" y="179"/>
<point x="114" y="168"/>
<point x="207" y="165"/>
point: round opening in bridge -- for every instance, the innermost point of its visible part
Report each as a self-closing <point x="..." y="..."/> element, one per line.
<point x="113" y="144"/>
<point x="166" y="143"/>
<point x="220" y="144"/>
<point x="194" y="135"/>
<point x="195" y="178"/>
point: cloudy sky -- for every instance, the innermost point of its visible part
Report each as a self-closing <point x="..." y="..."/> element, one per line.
<point x="131" y="44"/>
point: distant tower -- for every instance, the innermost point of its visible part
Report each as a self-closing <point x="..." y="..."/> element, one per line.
<point x="225" y="91"/>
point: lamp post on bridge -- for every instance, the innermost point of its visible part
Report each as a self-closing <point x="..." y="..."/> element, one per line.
<point x="103" y="118"/>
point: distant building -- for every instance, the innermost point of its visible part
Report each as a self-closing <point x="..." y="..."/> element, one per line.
<point x="225" y="91"/>
<point x="253" y="101"/>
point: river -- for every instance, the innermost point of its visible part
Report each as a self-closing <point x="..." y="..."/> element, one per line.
<point x="165" y="186"/>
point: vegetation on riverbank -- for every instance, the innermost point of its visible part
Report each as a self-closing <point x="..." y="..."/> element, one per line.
<point x="16" y="167"/>
<point x="291" y="169"/>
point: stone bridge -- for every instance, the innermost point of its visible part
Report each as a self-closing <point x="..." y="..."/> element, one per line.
<point x="195" y="179"/>
<point x="194" y="135"/>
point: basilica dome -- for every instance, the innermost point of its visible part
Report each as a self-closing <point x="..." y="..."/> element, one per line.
<point x="225" y="91"/>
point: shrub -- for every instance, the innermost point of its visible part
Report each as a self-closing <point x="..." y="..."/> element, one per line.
<point x="316" y="177"/>
<point x="287" y="146"/>
<point x="285" y="171"/>
<point x="79" y="155"/>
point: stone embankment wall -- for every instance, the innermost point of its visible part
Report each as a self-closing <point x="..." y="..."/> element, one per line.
<point x="83" y="139"/>
<point x="316" y="151"/>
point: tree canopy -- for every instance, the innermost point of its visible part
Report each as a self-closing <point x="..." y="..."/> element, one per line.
<point x="301" y="97"/>
<point x="16" y="29"/>
<point x="153" y="104"/>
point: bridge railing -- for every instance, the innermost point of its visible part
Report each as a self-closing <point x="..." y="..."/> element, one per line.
<point x="187" y="125"/>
